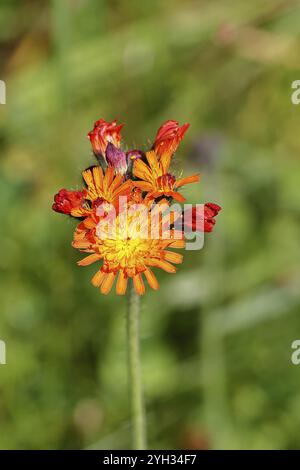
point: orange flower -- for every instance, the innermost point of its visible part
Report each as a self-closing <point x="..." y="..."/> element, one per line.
<point x="126" y="255"/>
<point x="155" y="179"/>
<point x="126" y="226"/>
<point x="101" y="188"/>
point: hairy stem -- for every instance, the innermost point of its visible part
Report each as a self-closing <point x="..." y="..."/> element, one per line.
<point x="134" y="371"/>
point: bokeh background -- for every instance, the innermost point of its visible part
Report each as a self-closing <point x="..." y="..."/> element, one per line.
<point x="216" y="338"/>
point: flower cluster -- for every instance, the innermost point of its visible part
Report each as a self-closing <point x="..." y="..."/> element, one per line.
<point x="145" y="182"/>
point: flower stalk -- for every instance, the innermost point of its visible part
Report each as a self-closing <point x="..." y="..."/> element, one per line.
<point x="134" y="371"/>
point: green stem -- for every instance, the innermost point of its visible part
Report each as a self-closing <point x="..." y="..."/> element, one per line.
<point x="134" y="371"/>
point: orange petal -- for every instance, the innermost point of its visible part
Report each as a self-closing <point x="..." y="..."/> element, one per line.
<point x="98" y="178"/>
<point x="152" y="281"/>
<point x="107" y="283"/>
<point x="79" y="233"/>
<point x="178" y="197"/>
<point x="116" y="182"/>
<point x="173" y="257"/>
<point x="89" y="223"/>
<point x="88" y="177"/>
<point x="177" y="244"/>
<point x="89" y="260"/>
<point x="141" y="170"/>
<point x="187" y="180"/>
<point x="125" y="188"/>
<point x="108" y="178"/>
<point x="81" y="244"/>
<point x="139" y="284"/>
<point x="121" y="283"/>
<point x="98" y="278"/>
<point x="152" y="160"/>
<point x="165" y="161"/>
<point x="80" y="212"/>
<point x="143" y="185"/>
<point x="160" y="263"/>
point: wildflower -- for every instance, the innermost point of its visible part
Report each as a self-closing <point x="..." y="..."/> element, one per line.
<point x="126" y="255"/>
<point x="155" y="178"/>
<point x="101" y="187"/>
<point x="125" y="226"/>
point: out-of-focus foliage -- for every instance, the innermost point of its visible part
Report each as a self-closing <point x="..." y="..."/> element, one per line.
<point x="216" y="339"/>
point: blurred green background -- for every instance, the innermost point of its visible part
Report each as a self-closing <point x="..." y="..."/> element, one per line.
<point x="216" y="338"/>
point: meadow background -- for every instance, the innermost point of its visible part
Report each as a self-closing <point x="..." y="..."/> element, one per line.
<point x="216" y="338"/>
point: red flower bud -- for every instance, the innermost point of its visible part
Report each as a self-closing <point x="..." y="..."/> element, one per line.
<point x="103" y="133"/>
<point x="65" y="201"/>
<point x="168" y="137"/>
<point x="194" y="217"/>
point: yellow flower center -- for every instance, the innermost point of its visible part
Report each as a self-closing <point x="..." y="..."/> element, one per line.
<point x="125" y="245"/>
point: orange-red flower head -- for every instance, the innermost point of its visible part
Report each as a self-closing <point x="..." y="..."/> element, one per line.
<point x="125" y="224"/>
<point x="155" y="179"/>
